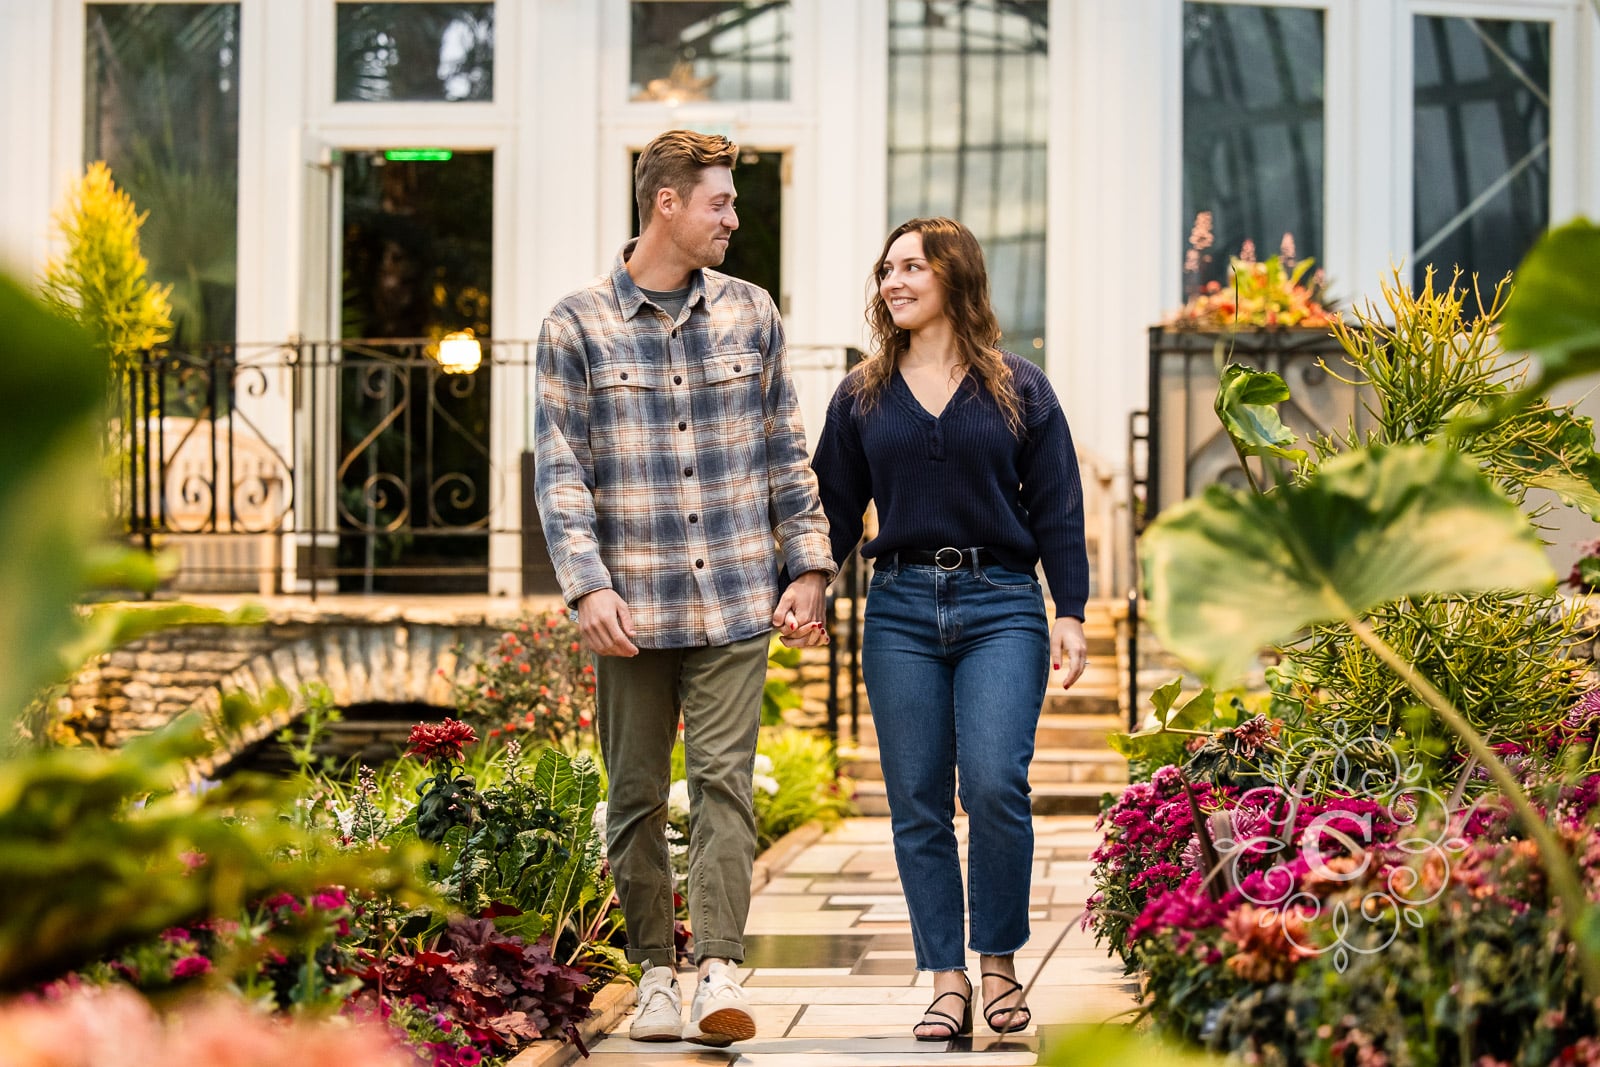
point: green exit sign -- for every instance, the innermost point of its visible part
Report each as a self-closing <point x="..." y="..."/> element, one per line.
<point x="417" y="155"/>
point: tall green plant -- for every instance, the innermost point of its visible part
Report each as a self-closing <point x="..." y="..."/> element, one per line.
<point x="1428" y="371"/>
<point x="100" y="281"/>
<point x="1433" y="369"/>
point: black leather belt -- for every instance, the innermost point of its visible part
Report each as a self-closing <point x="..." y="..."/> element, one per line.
<point x="946" y="559"/>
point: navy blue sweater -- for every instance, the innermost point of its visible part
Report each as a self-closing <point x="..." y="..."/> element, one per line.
<point x="962" y="479"/>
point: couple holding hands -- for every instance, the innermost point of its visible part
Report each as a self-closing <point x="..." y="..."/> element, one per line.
<point x="669" y="456"/>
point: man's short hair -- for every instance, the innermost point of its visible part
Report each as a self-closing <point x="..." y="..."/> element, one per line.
<point x="674" y="161"/>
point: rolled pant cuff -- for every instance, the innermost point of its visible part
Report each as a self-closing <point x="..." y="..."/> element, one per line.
<point x="660" y="957"/>
<point x="718" y="950"/>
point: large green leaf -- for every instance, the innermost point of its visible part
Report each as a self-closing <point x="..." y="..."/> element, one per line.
<point x="1195" y="713"/>
<point x="553" y="777"/>
<point x="52" y="387"/>
<point x="1555" y="310"/>
<point x="1230" y="572"/>
<point x="1246" y="404"/>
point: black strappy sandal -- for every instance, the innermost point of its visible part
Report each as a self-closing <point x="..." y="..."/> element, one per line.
<point x="955" y="1027"/>
<point x="990" y="1009"/>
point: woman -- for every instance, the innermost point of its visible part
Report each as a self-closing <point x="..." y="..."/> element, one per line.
<point x="965" y="451"/>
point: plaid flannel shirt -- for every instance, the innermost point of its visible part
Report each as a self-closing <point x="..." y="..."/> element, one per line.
<point x="668" y="454"/>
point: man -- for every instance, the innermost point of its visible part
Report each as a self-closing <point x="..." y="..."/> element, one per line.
<point x="669" y="454"/>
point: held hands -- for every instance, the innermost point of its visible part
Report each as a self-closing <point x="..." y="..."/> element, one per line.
<point x="1069" y="649"/>
<point x="798" y="618"/>
<point x="605" y="625"/>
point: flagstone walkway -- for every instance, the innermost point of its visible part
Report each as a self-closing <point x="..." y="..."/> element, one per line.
<point x="833" y="981"/>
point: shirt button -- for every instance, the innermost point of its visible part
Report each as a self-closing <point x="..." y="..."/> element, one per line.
<point x="736" y="368"/>
<point x="624" y="375"/>
<point x="683" y="425"/>
<point x="688" y="472"/>
<point x="699" y="563"/>
<point x="693" y="517"/>
<point x="677" y="379"/>
<point x="674" y="333"/>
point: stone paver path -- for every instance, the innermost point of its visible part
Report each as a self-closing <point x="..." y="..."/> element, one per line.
<point x="832" y="978"/>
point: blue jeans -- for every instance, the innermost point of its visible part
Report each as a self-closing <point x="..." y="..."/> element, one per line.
<point x="956" y="664"/>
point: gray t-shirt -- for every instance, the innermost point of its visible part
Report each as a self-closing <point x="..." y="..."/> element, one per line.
<point x="670" y="302"/>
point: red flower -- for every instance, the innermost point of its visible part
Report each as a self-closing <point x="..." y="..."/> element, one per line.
<point x="191" y="967"/>
<point x="441" y="741"/>
<point x="330" y="899"/>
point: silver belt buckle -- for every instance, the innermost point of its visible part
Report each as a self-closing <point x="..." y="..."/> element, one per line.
<point x="939" y="557"/>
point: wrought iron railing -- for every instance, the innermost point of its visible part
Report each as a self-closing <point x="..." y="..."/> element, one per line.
<point x="354" y="465"/>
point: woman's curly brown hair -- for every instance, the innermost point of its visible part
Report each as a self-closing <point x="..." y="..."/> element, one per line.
<point x="956" y="259"/>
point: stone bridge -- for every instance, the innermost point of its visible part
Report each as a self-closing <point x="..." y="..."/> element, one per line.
<point x="372" y="653"/>
<point x="366" y="651"/>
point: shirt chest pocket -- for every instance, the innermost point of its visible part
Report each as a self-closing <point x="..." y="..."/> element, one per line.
<point x="733" y="379"/>
<point x="625" y="376"/>
<point x="624" y="398"/>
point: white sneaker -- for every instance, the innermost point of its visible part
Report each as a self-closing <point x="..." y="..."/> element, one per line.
<point x="720" y="1014"/>
<point x="660" y="1014"/>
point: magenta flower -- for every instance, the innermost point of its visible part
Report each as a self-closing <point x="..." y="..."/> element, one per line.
<point x="191" y="967"/>
<point x="330" y="899"/>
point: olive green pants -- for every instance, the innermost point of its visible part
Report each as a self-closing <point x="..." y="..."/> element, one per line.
<point x="639" y="699"/>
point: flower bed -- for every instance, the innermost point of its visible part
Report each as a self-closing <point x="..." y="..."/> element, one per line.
<point x="1357" y="919"/>
<point x="522" y="928"/>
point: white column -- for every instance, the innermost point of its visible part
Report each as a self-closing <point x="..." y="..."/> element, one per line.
<point x="32" y="129"/>
<point x="851" y="179"/>
<point x="272" y="249"/>
<point x="558" y="122"/>
<point x="1370" y="156"/>
<point x="1587" y="111"/>
<point x="1115" y="172"/>
<point x="272" y="112"/>
<point x="555" y="207"/>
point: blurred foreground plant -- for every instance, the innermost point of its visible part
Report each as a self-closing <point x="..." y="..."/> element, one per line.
<point x="101" y="849"/>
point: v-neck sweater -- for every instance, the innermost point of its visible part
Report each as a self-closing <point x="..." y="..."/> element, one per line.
<point x="961" y="478"/>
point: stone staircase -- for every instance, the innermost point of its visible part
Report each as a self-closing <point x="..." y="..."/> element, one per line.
<point x="1073" y="767"/>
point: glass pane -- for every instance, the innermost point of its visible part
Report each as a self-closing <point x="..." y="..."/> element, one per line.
<point x="162" y="109"/>
<point x="415" y="481"/>
<point x="415" y="52"/>
<point x="1481" y="136"/>
<point x="732" y="50"/>
<point x="1253" y="96"/>
<point x="967" y="113"/>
